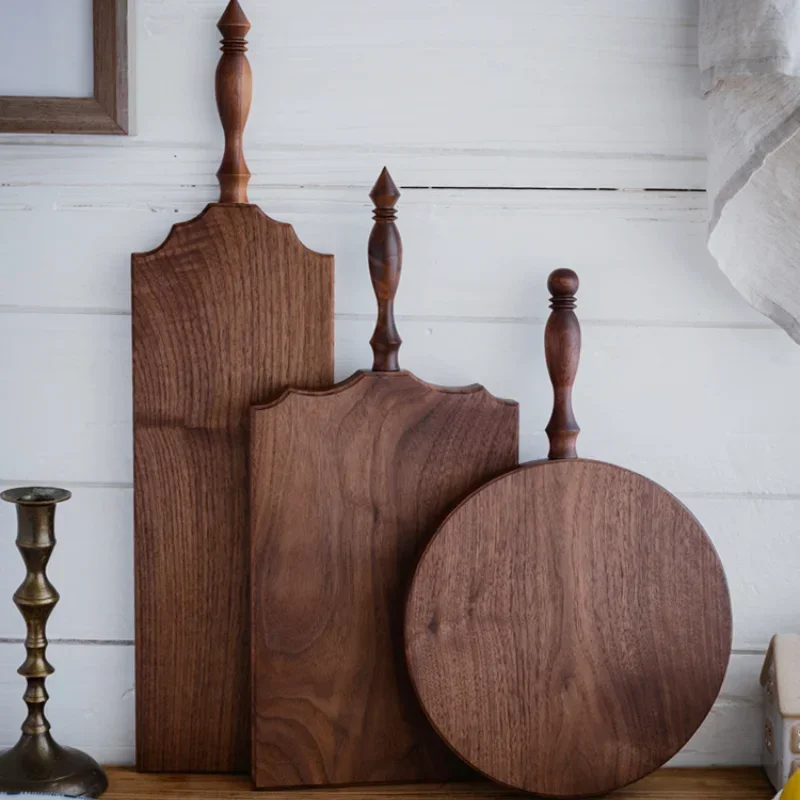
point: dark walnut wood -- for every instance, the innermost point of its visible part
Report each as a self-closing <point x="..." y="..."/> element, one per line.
<point x="675" y="784"/>
<point x="569" y="626"/>
<point x="347" y="486"/>
<point x="230" y="311"/>
<point x="107" y="110"/>
<point x="385" y="252"/>
<point x="562" y="349"/>
<point x="234" y="91"/>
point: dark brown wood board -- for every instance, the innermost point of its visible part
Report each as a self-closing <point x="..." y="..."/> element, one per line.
<point x="228" y="312"/>
<point x="347" y="485"/>
<point x="569" y="626"/>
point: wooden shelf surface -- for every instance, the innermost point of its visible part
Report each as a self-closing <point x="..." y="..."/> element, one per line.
<point x="667" y="784"/>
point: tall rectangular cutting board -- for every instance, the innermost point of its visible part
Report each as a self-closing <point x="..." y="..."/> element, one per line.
<point x="228" y="312"/>
<point x="347" y="486"/>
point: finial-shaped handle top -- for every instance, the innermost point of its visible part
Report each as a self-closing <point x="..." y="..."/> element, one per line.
<point x="234" y="88"/>
<point x="562" y="347"/>
<point x="385" y="263"/>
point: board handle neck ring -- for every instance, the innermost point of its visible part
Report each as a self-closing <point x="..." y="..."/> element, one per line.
<point x="385" y="253"/>
<point x="562" y="347"/>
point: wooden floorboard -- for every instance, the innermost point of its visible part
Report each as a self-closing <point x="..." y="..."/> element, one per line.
<point x="667" y="784"/>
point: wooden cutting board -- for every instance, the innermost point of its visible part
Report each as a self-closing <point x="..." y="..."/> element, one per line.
<point x="569" y="625"/>
<point x="347" y="486"/>
<point x="228" y="312"/>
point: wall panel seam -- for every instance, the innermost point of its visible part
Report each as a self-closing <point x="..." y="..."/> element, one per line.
<point x="685" y="495"/>
<point x="130" y="643"/>
<point x="439" y="318"/>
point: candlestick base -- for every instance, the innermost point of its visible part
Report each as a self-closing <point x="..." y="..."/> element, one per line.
<point x="38" y="765"/>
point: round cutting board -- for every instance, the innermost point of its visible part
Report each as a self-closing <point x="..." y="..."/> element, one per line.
<point x="568" y="627"/>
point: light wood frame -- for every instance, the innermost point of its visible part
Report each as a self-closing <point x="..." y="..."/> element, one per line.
<point x="107" y="110"/>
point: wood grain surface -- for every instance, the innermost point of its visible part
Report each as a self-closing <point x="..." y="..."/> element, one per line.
<point x="110" y="41"/>
<point x="667" y="784"/>
<point x="228" y="312"/>
<point x="347" y="487"/>
<point x="568" y="628"/>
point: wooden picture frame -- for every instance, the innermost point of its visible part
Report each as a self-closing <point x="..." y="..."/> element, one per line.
<point x="107" y="110"/>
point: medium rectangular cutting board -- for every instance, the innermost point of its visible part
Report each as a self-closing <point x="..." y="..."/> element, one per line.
<point x="228" y="312"/>
<point x="347" y="486"/>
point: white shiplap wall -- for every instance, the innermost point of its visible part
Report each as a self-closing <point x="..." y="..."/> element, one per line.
<point x="549" y="133"/>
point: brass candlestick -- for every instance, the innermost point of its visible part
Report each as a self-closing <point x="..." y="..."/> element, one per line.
<point x="37" y="764"/>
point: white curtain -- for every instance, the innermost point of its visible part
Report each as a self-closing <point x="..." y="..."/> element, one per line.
<point x="750" y="61"/>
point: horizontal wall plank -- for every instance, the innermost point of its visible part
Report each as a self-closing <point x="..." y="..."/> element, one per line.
<point x="755" y="539"/>
<point x="92" y="698"/>
<point x="66" y="398"/>
<point x="732" y="733"/>
<point x="165" y="165"/>
<point x="452" y="92"/>
<point x="642" y="256"/>
<point x="701" y="410"/>
<point x="612" y="77"/>
<point x="93" y="565"/>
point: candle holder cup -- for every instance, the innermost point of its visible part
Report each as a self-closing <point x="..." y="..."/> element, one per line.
<point x="37" y="764"/>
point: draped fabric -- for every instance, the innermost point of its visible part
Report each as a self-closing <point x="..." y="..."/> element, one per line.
<point x="750" y="64"/>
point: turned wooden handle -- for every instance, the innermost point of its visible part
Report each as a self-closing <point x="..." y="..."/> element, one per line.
<point x="234" y="88"/>
<point x="385" y="262"/>
<point x="562" y="349"/>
